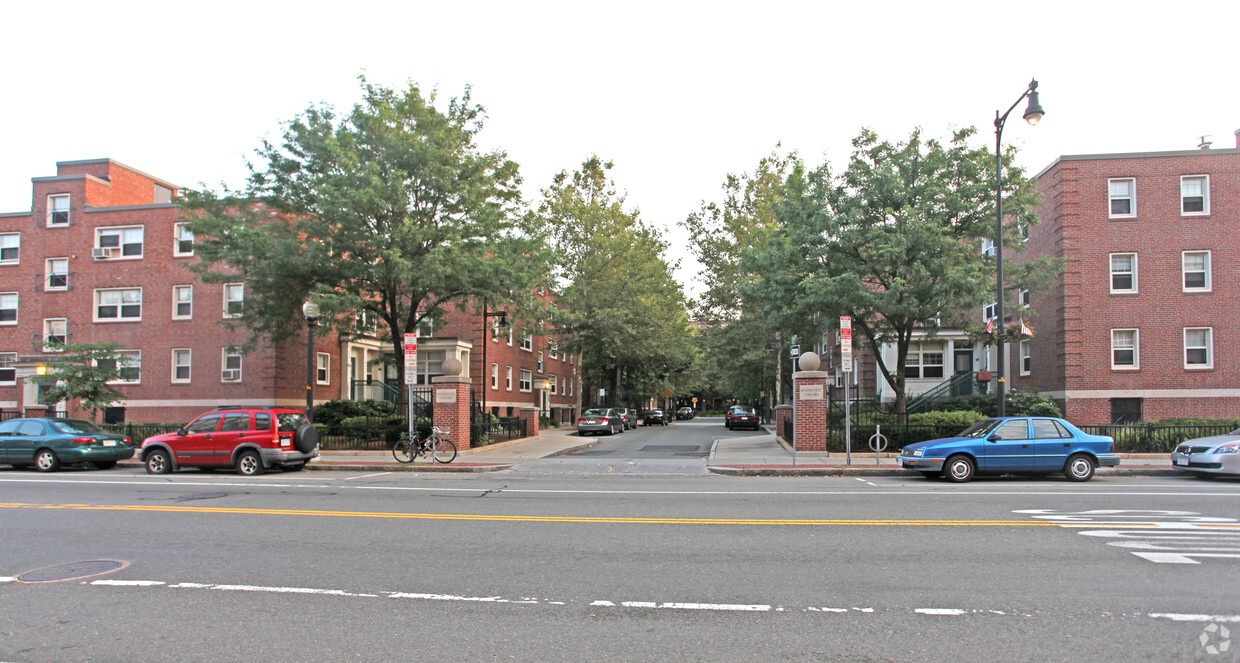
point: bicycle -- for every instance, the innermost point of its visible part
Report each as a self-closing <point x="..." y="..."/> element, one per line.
<point x="439" y="448"/>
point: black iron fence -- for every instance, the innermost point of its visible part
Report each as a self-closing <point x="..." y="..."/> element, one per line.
<point x="1140" y="438"/>
<point x="482" y="434"/>
<point x="139" y="432"/>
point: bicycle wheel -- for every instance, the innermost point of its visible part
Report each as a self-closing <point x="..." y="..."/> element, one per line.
<point x="403" y="451"/>
<point x="443" y="451"/>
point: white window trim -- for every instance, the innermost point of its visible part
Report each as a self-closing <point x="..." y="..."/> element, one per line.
<point x="1184" y="272"/>
<point x="118" y="250"/>
<point x="508" y="379"/>
<point x="1111" y="273"/>
<point x="527" y="342"/>
<point x="542" y="364"/>
<point x="12" y="359"/>
<point x="529" y="384"/>
<point x="47" y="327"/>
<point x="1136" y="350"/>
<point x="118" y="318"/>
<point x="224" y="355"/>
<point x="1025" y="352"/>
<point x="190" y="366"/>
<point x="990" y="311"/>
<point x="494" y="377"/>
<point x="48" y="274"/>
<point x="1205" y="195"/>
<point x="1209" y="349"/>
<point x="119" y="362"/>
<point x="51" y="211"/>
<point x="227" y="301"/>
<point x="175" y="302"/>
<point x="1133" y="198"/>
<point x="176" y="241"/>
<point x="554" y="384"/>
<point x="323" y="366"/>
<point x="17" y="307"/>
<point x="18" y="259"/>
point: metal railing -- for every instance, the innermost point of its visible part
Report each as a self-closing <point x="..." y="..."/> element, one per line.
<point x="139" y="432"/>
<point x="1145" y="438"/>
<point x="490" y="432"/>
<point x="960" y="384"/>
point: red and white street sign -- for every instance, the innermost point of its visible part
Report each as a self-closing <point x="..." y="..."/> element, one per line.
<point x="846" y="343"/>
<point x="411" y="358"/>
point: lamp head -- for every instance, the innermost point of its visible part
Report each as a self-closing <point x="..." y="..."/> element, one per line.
<point x="310" y="310"/>
<point x="1033" y="112"/>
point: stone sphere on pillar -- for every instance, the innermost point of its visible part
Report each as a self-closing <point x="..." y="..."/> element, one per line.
<point x="452" y="367"/>
<point x="809" y="361"/>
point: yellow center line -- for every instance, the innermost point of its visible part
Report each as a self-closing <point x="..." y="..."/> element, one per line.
<point x="564" y="519"/>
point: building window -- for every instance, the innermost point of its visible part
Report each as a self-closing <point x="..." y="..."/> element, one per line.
<point x="182" y="240"/>
<point x="58" y="210"/>
<point x="426" y="327"/>
<point x="1198" y="347"/>
<point x="1125" y="410"/>
<point x="1123" y="195"/>
<point x="541" y="364"/>
<point x="8" y="372"/>
<point x="494" y="376"/>
<point x="119" y="304"/>
<point x="527" y="342"/>
<point x="1196" y="269"/>
<point x="510" y="336"/>
<point x="119" y="242"/>
<point x="56" y="276"/>
<point x="570" y="386"/>
<point x="181" y="361"/>
<point x="1195" y="195"/>
<point x="553" y="348"/>
<point x="8" y="308"/>
<point x="988" y="246"/>
<point x="10" y="248"/>
<point x="323" y="370"/>
<point x="925" y="360"/>
<point x="1022" y="299"/>
<point x="495" y="330"/>
<point x="55" y="334"/>
<point x="1123" y="272"/>
<point x="554" y="383"/>
<point x="1125" y="349"/>
<point x="508" y="379"/>
<point x="128" y="366"/>
<point x="1026" y="358"/>
<point x="231" y="366"/>
<point x="234" y="297"/>
<point x="182" y="302"/>
<point x="988" y="313"/>
<point x="527" y="380"/>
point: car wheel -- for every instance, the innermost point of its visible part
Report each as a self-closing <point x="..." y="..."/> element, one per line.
<point x="104" y="464"/>
<point x="1079" y="468"/>
<point x="45" y="460"/>
<point x="306" y="438"/>
<point x="158" y="462"/>
<point x="959" y="469"/>
<point x="249" y="463"/>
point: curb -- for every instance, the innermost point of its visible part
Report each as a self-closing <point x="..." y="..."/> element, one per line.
<point x="840" y="471"/>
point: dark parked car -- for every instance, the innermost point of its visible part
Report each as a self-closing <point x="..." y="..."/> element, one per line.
<point x="742" y="416"/>
<point x="684" y="413"/>
<point x="49" y="443"/>
<point x="1031" y="445"/>
<point x="655" y="418"/>
<point x="249" y="439"/>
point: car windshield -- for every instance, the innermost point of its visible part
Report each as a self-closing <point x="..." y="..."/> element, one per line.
<point x="981" y="428"/>
<point x="743" y="410"/>
<point x="74" y="426"/>
<point x="289" y="422"/>
<point x="595" y="413"/>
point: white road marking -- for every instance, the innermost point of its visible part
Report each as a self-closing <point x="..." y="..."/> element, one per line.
<point x="865" y="481"/>
<point x="721" y="607"/>
<point x="1176" y="617"/>
<point x="366" y="476"/>
<point x="128" y="583"/>
<point x="949" y="612"/>
<point x="258" y="588"/>
<point x="1180" y="537"/>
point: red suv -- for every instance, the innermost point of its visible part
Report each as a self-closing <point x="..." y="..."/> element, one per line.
<point x="249" y="439"/>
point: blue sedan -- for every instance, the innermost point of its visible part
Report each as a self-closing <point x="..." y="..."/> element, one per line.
<point x="1032" y="445"/>
<point x="49" y="443"/>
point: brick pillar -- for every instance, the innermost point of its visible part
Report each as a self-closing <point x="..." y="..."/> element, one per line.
<point x="451" y="408"/>
<point x="783" y="415"/>
<point x="529" y="415"/>
<point x="810" y="400"/>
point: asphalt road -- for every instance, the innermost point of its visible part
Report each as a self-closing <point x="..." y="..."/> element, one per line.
<point x="539" y="566"/>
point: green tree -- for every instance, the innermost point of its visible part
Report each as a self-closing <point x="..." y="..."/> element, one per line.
<point x="383" y="216"/>
<point x="82" y="373"/>
<point x="895" y="241"/>
<point x="618" y="301"/>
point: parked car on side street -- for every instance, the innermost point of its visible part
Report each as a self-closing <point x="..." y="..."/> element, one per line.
<point x="1206" y="456"/>
<point x="251" y="440"/>
<point x="655" y="418"/>
<point x="684" y="413"/>
<point x="630" y="416"/>
<point x="49" y="443"/>
<point x="600" y="420"/>
<point x="742" y="416"/>
<point x="727" y="416"/>
<point x="1022" y="445"/>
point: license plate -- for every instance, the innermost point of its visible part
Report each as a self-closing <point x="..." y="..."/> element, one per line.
<point x="591" y="422"/>
<point x="109" y="443"/>
<point x="1181" y="462"/>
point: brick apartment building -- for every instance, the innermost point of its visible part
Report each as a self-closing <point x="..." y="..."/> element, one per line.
<point x="1141" y="324"/>
<point x="100" y="256"/>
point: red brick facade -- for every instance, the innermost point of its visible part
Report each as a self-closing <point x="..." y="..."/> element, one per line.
<point x="1142" y="318"/>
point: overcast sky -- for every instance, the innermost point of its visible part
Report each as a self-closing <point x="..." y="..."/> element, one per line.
<point x="677" y="94"/>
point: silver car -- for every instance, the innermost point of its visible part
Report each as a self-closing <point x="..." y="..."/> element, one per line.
<point x="630" y="416"/>
<point x="599" y="420"/>
<point x="1219" y="454"/>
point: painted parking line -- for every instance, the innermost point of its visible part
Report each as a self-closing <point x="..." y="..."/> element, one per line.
<point x="1158" y="536"/>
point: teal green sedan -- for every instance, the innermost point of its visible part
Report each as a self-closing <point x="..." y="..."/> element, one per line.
<point x="49" y="443"/>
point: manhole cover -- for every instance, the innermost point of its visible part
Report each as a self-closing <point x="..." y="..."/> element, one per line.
<point x="72" y="571"/>
<point x="678" y="448"/>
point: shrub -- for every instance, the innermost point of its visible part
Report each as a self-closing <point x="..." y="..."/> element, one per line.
<point x="1016" y="404"/>
<point x="961" y="418"/>
<point x="335" y="412"/>
<point x="547" y="422"/>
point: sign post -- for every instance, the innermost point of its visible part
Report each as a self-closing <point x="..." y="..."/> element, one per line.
<point x="411" y="375"/>
<point x="846" y="365"/>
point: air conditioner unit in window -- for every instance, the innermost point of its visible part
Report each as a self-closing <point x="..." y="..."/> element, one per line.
<point x="101" y="252"/>
<point x="232" y="374"/>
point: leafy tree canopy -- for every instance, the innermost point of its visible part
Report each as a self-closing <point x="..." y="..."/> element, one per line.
<point x="83" y="373"/>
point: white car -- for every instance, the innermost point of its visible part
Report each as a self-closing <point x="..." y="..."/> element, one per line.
<point x="1219" y="454"/>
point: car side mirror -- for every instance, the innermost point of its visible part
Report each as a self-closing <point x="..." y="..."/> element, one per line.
<point x="993" y="437"/>
<point x="182" y="432"/>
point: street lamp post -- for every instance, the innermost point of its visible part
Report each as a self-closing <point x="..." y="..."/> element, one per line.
<point x="1033" y="113"/>
<point x="311" y="311"/>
